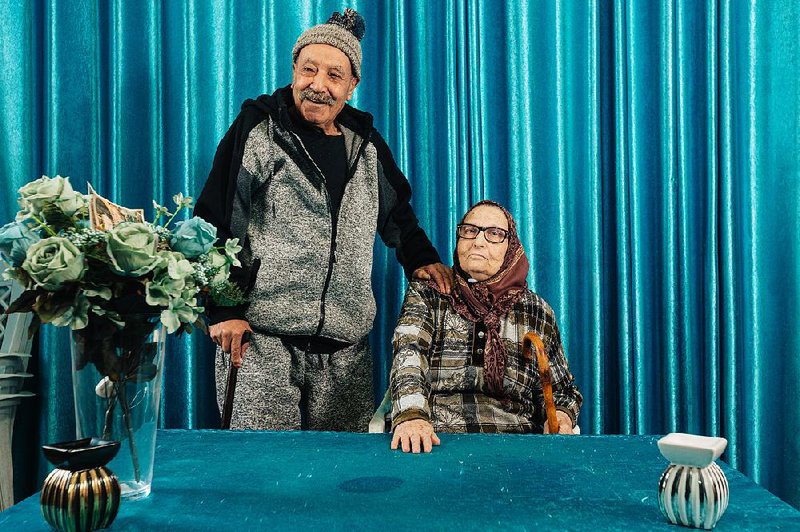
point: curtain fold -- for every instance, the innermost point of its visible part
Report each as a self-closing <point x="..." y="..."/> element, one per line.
<point x="649" y="151"/>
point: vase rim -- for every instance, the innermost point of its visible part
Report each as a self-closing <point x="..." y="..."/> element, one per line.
<point x="84" y="453"/>
<point x="691" y="449"/>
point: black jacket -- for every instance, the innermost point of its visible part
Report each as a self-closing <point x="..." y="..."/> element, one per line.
<point x="261" y="180"/>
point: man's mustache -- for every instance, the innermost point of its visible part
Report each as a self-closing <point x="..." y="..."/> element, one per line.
<point x="316" y="97"/>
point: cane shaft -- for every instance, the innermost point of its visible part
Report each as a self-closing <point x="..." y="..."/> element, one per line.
<point x="532" y="340"/>
<point x="230" y="389"/>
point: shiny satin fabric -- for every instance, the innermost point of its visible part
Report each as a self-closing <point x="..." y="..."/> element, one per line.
<point x="649" y="150"/>
<point x="328" y="480"/>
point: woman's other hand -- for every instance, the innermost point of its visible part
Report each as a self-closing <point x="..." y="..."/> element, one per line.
<point x="564" y="423"/>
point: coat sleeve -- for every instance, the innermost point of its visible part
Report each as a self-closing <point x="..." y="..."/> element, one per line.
<point x="410" y="380"/>
<point x="224" y="203"/>
<point x="397" y="222"/>
<point x="566" y="396"/>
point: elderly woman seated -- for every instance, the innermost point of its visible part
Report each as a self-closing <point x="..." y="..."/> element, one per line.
<point x="458" y="358"/>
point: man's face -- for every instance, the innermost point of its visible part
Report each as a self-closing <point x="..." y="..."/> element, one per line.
<point x="322" y="81"/>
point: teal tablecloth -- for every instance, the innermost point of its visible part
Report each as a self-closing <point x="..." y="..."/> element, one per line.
<point x="317" y="480"/>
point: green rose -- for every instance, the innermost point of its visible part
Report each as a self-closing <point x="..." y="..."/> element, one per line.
<point x="180" y="311"/>
<point x="221" y="267"/>
<point x="171" y="279"/>
<point x="132" y="248"/>
<point x="54" y="261"/>
<point x="15" y="239"/>
<point x="232" y="248"/>
<point x="34" y="196"/>
<point x="193" y="237"/>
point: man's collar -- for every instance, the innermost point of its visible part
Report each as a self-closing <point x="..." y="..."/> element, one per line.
<point x="300" y="125"/>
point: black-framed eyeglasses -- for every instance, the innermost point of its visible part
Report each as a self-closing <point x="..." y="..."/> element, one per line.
<point x="495" y="235"/>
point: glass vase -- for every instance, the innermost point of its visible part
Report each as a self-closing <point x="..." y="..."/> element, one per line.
<point x="116" y="376"/>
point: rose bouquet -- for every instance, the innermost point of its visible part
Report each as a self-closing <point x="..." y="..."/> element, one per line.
<point x="74" y="273"/>
<point x="113" y="278"/>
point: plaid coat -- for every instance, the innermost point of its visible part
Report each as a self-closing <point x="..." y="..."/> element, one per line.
<point x="437" y="372"/>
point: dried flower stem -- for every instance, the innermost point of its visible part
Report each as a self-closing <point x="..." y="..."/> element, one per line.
<point x="112" y="402"/>
<point x="42" y="225"/>
<point x="126" y="416"/>
<point x="174" y="215"/>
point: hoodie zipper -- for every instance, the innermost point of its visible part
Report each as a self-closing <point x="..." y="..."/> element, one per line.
<point x="334" y="222"/>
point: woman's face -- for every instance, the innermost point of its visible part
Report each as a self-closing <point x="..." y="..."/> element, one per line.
<point x="479" y="258"/>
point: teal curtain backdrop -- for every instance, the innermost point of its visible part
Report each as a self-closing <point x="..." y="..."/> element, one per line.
<point x="650" y="151"/>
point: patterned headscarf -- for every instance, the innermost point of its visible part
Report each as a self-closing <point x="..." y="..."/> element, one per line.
<point x="489" y="301"/>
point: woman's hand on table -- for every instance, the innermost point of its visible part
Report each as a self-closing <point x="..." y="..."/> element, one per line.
<point x="415" y="435"/>
<point x="564" y="423"/>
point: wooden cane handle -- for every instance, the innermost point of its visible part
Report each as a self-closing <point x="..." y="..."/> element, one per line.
<point x="543" y="364"/>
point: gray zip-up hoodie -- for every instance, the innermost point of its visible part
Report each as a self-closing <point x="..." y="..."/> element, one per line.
<point x="315" y="269"/>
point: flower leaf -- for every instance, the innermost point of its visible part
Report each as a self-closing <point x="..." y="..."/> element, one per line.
<point x="25" y="302"/>
<point x="56" y="218"/>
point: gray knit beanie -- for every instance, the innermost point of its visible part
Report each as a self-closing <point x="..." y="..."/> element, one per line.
<point x="340" y="31"/>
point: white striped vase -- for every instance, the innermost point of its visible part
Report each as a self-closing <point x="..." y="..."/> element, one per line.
<point x="693" y="496"/>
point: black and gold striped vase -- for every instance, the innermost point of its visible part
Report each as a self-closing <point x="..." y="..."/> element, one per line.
<point x="81" y="493"/>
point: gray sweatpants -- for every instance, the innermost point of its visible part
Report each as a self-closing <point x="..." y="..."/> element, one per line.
<point x="283" y="387"/>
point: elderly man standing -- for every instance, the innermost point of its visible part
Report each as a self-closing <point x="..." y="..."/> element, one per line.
<point x="304" y="181"/>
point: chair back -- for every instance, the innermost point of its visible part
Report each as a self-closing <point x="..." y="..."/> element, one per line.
<point x="13" y="327"/>
<point x="15" y="352"/>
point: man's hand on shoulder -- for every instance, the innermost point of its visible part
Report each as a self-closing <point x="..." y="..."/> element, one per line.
<point x="441" y="275"/>
<point x="228" y="335"/>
